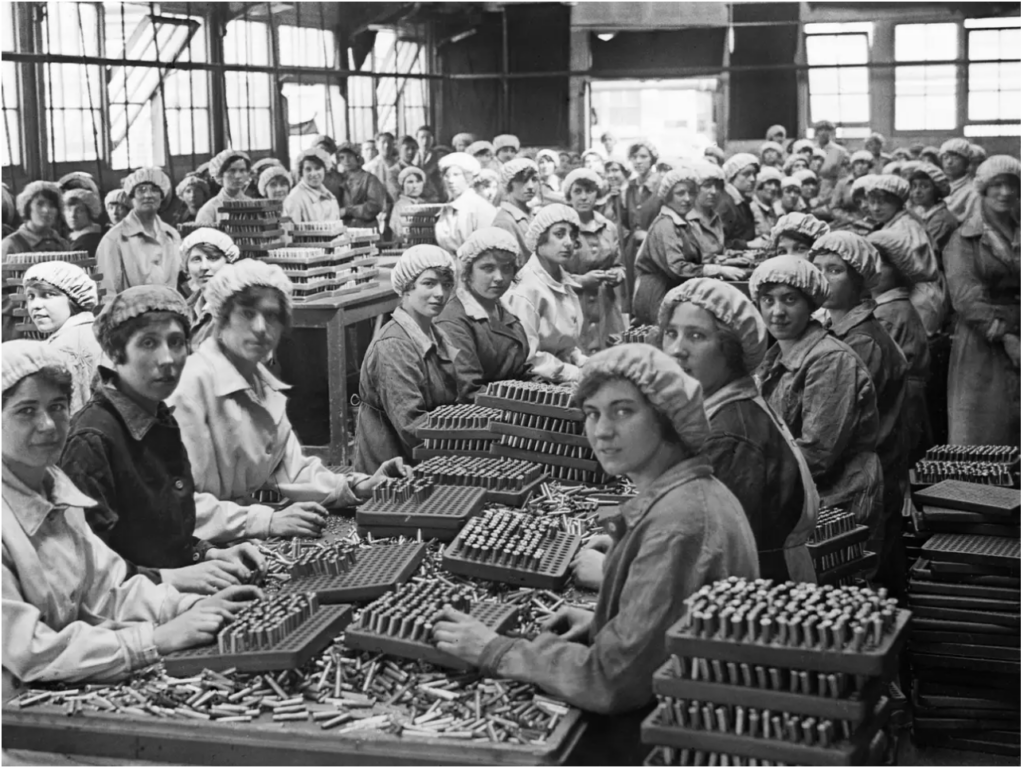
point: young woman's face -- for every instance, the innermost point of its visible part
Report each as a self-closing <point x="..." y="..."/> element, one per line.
<point x="768" y="192"/>
<point x="708" y="196"/>
<point x="546" y="165"/>
<point x="922" y="192"/>
<point x="789" y="246"/>
<point x="691" y="337"/>
<point x="491" y="275"/>
<point x="407" y="152"/>
<point x="1003" y="194"/>
<point x="460" y="144"/>
<point x="809" y="190"/>
<point x="235" y="177"/>
<point x="349" y="162"/>
<point x="744" y="180"/>
<point x="35" y="423"/>
<point x="48" y="307"/>
<point x="882" y="207"/>
<point x="202" y="266"/>
<point x="254" y="332"/>
<point x="622" y="428"/>
<point x="192" y="196"/>
<point x="770" y="157"/>
<point x="861" y="168"/>
<point x="816" y="163"/>
<point x="488" y="190"/>
<point x="386" y="145"/>
<point x="798" y="163"/>
<point x="524" y="191"/>
<point x="455" y="181"/>
<point x="369" y="149"/>
<point x="642" y="160"/>
<point x="413" y="186"/>
<point x="278" y="189"/>
<point x="583" y="198"/>
<point x="785" y="311"/>
<point x="682" y="197"/>
<point x="77" y="215"/>
<point x="428" y="294"/>
<point x="845" y="285"/>
<point x="615" y="174"/>
<point x="313" y="173"/>
<point x="42" y="213"/>
<point x="790" y="198"/>
<point x="558" y="245"/>
<point x="146" y="198"/>
<point x="506" y="153"/>
<point x="424" y="140"/>
<point x="484" y="156"/>
<point x="154" y="359"/>
<point x="116" y="212"/>
<point x="595" y="163"/>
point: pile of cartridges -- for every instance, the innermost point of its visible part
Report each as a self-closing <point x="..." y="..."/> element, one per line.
<point x="965" y="642"/>
<point x="324" y="262"/>
<point x="457" y="430"/>
<point x="328" y="560"/>
<point x="983" y="464"/>
<point x="418" y="222"/>
<point x="267" y="622"/>
<point x="837" y="548"/>
<point x="788" y="673"/>
<point x="17" y="264"/>
<point x="254" y="225"/>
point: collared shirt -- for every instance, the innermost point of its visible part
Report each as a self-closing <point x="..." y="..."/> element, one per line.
<point x="208" y="215"/>
<point x="461" y="218"/>
<point x="202" y="320"/>
<point x="764" y="217"/>
<point x="668" y="257"/>
<point x="69" y="613"/>
<point x="708" y="233"/>
<point x="77" y="342"/>
<point x="240" y="441"/>
<point x="405" y="375"/>
<point x="552" y="318"/>
<point x="685" y="531"/>
<point x="304" y="203"/>
<point x="129" y="255"/>
<point x="25" y="240"/>
<point x="516" y="221"/>
<point x="898" y="316"/>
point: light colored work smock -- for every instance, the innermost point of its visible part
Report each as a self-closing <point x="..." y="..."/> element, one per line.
<point x="128" y="255"/>
<point x="930" y="299"/>
<point x="207" y="216"/>
<point x="77" y="342"/>
<point x="602" y="309"/>
<point x="461" y="218"/>
<point x="305" y="203"/>
<point x="515" y="221"/>
<point x="963" y="200"/>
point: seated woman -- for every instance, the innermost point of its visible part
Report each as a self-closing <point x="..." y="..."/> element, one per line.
<point x="737" y="216"/>
<point x="486" y="184"/>
<point x="466" y="211"/>
<point x="310" y="200"/>
<point x="233" y="421"/>
<point x="39" y="205"/>
<point x="411" y="181"/>
<point x="204" y="253"/>
<point x="790" y="198"/>
<point x="544" y="298"/>
<point x="82" y="212"/>
<point x="231" y="169"/>
<point x="519" y="186"/>
<point x="71" y="611"/>
<point x="714" y="154"/>
<point x="491" y="342"/>
<point x="705" y="224"/>
<point x="767" y="189"/>
<point x="125" y="450"/>
<point x="684" y="529"/>
<point x="409" y="368"/>
<point x="60" y="299"/>
<point x="597" y="265"/>
<point x="795" y="233"/>
<point x="845" y="210"/>
<point x="819" y="387"/>
<point x="193" y="192"/>
<point x="928" y="189"/>
<point x="275" y="182"/>
<point x="117" y="205"/>
<point x="549" y="190"/>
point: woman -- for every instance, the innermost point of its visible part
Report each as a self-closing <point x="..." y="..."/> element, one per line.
<point x="767" y="188"/>
<point x="790" y="200"/>
<point x="819" y="387"/>
<point x="519" y="184"/>
<point x="594" y="160"/>
<point x="411" y="180"/>
<point x="70" y="612"/>
<point x="544" y="298"/>
<point x="640" y="209"/>
<point x="39" y="206"/>
<point x="549" y="190"/>
<point x="486" y="184"/>
<point x="717" y="335"/>
<point x="772" y="155"/>
<point x="796" y="163"/>
<point x="117" y="205"/>
<point x="483" y="151"/>
<point x="928" y="189"/>
<point x="845" y="210"/>
<point x="644" y="419"/>
<point x="616" y="178"/>
<point x="233" y="420"/>
<point x="491" y="342"/>
<point x="795" y="233"/>
<point x="258" y="169"/>
<point x="231" y="169"/>
<point x="955" y="159"/>
<point x="705" y="223"/>
<point x="850" y="265"/>
<point x="310" y="200"/>
<point x="714" y="155"/>
<point x="409" y="369"/>
<point x="60" y="299"/>
<point x="275" y="182"/>
<point x="82" y="212"/>
<point x="466" y="211"/>
<point x="597" y="265"/>
<point x="205" y="252"/>
<point x="193" y="193"/>
<point x="670" y="255"/>
<point x="983" y="267"/>
<point x="737" y="216"/>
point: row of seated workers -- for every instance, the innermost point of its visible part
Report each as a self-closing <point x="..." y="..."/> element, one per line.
<point x="784" y="371"/>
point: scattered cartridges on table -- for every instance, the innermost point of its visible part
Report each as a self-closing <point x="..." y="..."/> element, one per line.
<point x="267" y="622"/>
<point x="399" y="491"/>
<point x="506" y="538"/>
<point x="460" y="417"/>
<point x="533" y="392"/>
<point x="410" y="611"/>
<point x="330" y="560"/>
<point x="493" y="474"/>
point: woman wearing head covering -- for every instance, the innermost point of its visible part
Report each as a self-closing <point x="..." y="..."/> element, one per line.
<point x="467" y="211"/>
<point x="117" y="205"/>
<point x="506" y="147"/>
<point x="310" y="200"/>
<point x="142" y="249"/>
<point x="71" y="611"/>
<point x="715" y="155"/>
<point x="410" y="367"/>
<point x="205" y="252"/>
<point x="486" y="184"/>
<point x="597" y="264"/>
<point x="544" y="297"/>
<point x="705" y="224"/>
<point x="983" y="267"/>
<point x="483" y="151"/>
<point x="794" y="163"/>
<point x="39" y="206"/>
<point x="82" y="213"/>
<point x="850" y="265"/>
<point x="362" y="197"/>
<point x="645" y="419"/>
<point x="490" y="339"/>
<point x="258" y="169"/>
<point x="594" y="159"/>
<point x="734" y="207"/>
<point x="550" y="188"/>
<point x="616" y="177"/>
<point x="772" y="155"/>
<point x="790" y="198"/>
<point x="819" y="387"/>
<point x="844" y="210"/>
<point x="955" y="160"/>
<point x="519" y="184"/>
<point x="231" y="169"/>
<point x="767" y="189"/>
<point x="192" y="192"/>
<point x="640" y="208"/>
<point x="411" y="181"/>
<point x="928" y="189"/>
<point x="874" y="144"/>
<point x="717" y="335"/>
<point x="795" y="233"/>
<point x="462" y="140"/>
<point x="275" y="182"/>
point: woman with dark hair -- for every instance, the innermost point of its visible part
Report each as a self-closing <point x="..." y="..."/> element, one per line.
<point x="192" y="192"/>
<point x="82" y="212"/>
<point x="795" y="233"/>
<point x="639" y="209"/>
<point x="519" y="183"/>
<point x="231" y="169"/>
<point x="928" y="189"/>
<point x="310" y="200"/>
<point x="204" y="253"/>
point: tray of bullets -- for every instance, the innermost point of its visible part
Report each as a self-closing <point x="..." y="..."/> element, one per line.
<point x="420" y="503"/>
<point x="343" y="573"/>
<point x="504" y="481"/>
<point x="457" y="430"/>
<point x="531" y="397"/>
<point x="963" y="496"/>
<point x="836" y="546"/>
<point x="641" y="334"/>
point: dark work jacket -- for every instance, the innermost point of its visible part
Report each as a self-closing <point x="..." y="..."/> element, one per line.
<point x="489" y="349"/>
<point x="136" y="467"/>
<point x="737" y="218"/>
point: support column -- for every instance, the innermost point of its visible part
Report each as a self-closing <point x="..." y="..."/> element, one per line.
<point x="579" y="89"/>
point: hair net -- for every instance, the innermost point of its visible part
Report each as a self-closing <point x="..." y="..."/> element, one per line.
<point x="487" y="176"/>
<point x="876" y="136"/>
<point x="599" y="154"/>
<point x="893" y="185"/>
<point x="267" y="162"/>
<point x="514" y="167"/>
<point x="479" y="146"/>
<point x="978" y="152"/>
<point x="818" y="152"/>
<point x="864" y="183"/>
<point x="487" y="239"/>
<point x="35" y="188"/>
<point x="469" y="164"/>
<point x="789" y="182"/>
<point x="803" y="144"/>
<point x="550" y="154"/>
<point x="117" y="197"/>
<point x="546" y="218"/>
<point x="803" y="225"/>
<point x="146" y="176"/>
<point x="69" y="278"/>
<point x="853" y="249"/>
<point x="737" y="163"/>
<point x="791" y="161"/>
<point x="771" y="145"/>
<point x="506" y="140"/>
<point x="226" y="157"/>
<point x="824" y="124"/>
<point x="715" y="151"/>
<point x="669" y="390"/>
<point x="901" y="153"/>
<point x="997" y="165"/>
<point x="78" y="180"/>
<point x="412" y="170"/>
<point x="214" y="237"/>
<point x="23" y="357"/>
<point x="794" y="271"/>
<point x="415" y="261"/>
<point x="581" y="174"/>
<point x="707" y="171"/>
<point x="135" y="301"/>
<point x="269" y="174"/>
<point x="674" y="177"/>
<point x="86" y="197"/>
<point x="243" y="274"/>
<point x="767" y="174"/>
<point x="935" y="174"/>
<point x="646" y="144"/>
<point x="730" y="306"/>
<point x="932" y="152"/>
<point x="352" y="148"/>
<point x="895" y="168"/>
<point x="469" y="138"/>
<point x="804" y="175"/>
<point x="862" y="156"/>
<point x="192" y="180"/>
<point x="775" y="129"/>
<point x="894" y="247"/>
<point x="314" y="153"/>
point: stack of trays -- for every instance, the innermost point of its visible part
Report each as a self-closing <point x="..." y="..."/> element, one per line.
<point x="324" y="261"/>
<point x="17" y="264"/>
<point x="505" y="481"/>
<point x="955" y="506"/>
<point x="837" y="548"/>
<point x="418" y="222"/>
<point x="983" y="464"/>
<point x="254" y="225"/>
<point x="457" y="430"/>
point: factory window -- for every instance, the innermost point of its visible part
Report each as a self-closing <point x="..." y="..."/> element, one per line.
<point x="10" y="94"/>
<point x="926" y="93"/>
<point x="993" y="86"/>
<point x="250" y="117"/>
<point x="397" y="103"/>
<point x="304" y="46"/>
<point x="838" y="93"/>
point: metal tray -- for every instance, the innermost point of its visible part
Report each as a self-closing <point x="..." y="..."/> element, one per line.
<point x="449" y="506"/>
<point x="522" y="406"/>
<point x="971" y="497"/>
<point x="552" y="574"/>
<point x="976" y="550"/>
<point x="377" y="570"/>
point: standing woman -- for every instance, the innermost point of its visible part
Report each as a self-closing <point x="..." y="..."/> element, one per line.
<point x="411" y="181"/>
<point x="737" y="216"/>
<point x="819" y="387"/>
<point x="466" y="211"/>
<point x="640" y="209"/>
<point x="409" y="369"/>
<point x="928" y="189"/>
<point x="550" y="189"/>
<point x="705" y="223"/>
<point x="205" y="252"/>
<point x="491" y="342"/>
<point x="82" y="212"/>
<point x="519" y="184"/>
<point x="310" y="200"/>
<point x="544" y="298"/>
<point x="983" y="267"/>
<point x="231" y="168"/>
<point x="597" y="265"/>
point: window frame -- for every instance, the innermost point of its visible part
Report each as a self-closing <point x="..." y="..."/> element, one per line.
<point x="983" y="128"/>
<point x="827" y="31"/>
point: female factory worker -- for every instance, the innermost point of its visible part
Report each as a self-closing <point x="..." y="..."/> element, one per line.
<point x="705" y="223"/>
<point x="231" y="168"/>
<point x="39" y="206"/>
<point x="467" y="211"/>
<point x="486" y="184"/>
<point x="844" y="209"/>
<point x="819" y="387"/>
<point x="193" y="193"/>
<point x="795" y="233"/>
<point x="550" y="188"/>
<point x="490" y="339"/>
<point x="640" y="208"/>
<point x="790" y="198"/>
<point x="60" y="299"/>
<point x="850" y="265"/>
<point x="411" y="181"/>
<point x="205" y="252"/>
<point x="928" y="189"/>
<point x="983" y="267"/>
<point x="310" y="200"/>
<point x="645" y="420"/>
<point x="69" y="612"/>
<point x="717" y="335"/>
<point x="125" y="449"/>
<point x="767" y="189"/>
<point x="117" y="205"/>
<point x="519" y="184"/>
<point x="714" y="155"/>
<point x="737" y="216"/>
<point x="597" y="264"/>
<point x="962" y="200"/>
<point x="275" y="182"/>
<point x="142" y="249"/>
<point x="544" y="298"/>
<point x="772" y="155"/>
<point x="409" y="369"/>
<point x="82" y="213"/>
<point x="232" y="415"/>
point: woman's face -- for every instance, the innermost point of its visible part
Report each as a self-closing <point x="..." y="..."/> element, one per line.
<point x="546" y="165"/>
<point x="350" y="162"/>
<point x="524" y="191"/>
<point x="484" y="156"/>
<point x="861" y="168"/>
<point x="428" y="294"/>
<point x="785" y="310"/>
<point x="798" y="163"/>
<point x="154" y="359"/>
<point x="455" y="182"/>
<point x="745" y="180"/>
<point x="642" y="160"/>
<point x="882" y="207"/>
<point x="488" y="190"/>
<point x="235" y="177"/>
<point x="558" y="244"/>
<point x="116" y="212"/>
<point x="460" y="143"/>
<point x="42" y="213"/>
<point x="583" y="197"/>
<point x="816" y="163"/>
<point x="615" y="174"/>
<point x="491" y="275"/>
<point x="313" y="173"/>
<point x="192" y="196"/>
<point x="682" y="197"/>
<point x="619" y="424"/>
<point x="1003" y="194"/>
<point x="78" y="216"/>
<point x="790" y="198"/>
<point x="708" y="196"/>
<point x="768" y="192"/>
<point x="413" y="186"/>
<point x="845" y="284"/>
<point x="922" y="192"/>
<point x="809" y="190"/>
<point x="48" y="307"/>
<point x="146" y="198"/>
<point x="506" y="153"/>
<point x="692" y="338"/>
<point x="278" y="189"/>
<point x="789" y="246"/>
<point x="407" y="152"/>
<point x="369" y="148"/>
<point x="254" y="332"/>
<point x="595" y="163"/>
<point x="202" y="266"/>
<point x="35" y="424"/>
<point x="770" y="157"/>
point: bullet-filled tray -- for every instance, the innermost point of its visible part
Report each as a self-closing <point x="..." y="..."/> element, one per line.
<point x="971" y="497"/>
<point x="572" y="462"/>
<point x="428" y="506"/>
<point x="459" y="422"/>
<point x="991" y="551"/>
<point x="504" y="482"/>
<point x="375" y="571"/>
<point x="549" y="400"/>
<point x="556" y="438"/>
<point x="478" y="449"/>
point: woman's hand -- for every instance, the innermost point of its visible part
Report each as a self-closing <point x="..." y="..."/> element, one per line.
<point x="462" y="636"/>
<point x="1011" y="344"/>
<point x="200" y="624"/>
<point x="723" y="272"/>
<point x="391" y="468"/>
<point x="233" y="599"/>
<point x="205" y="578"/>
<point x="245" y="555"/>
<point x="588" y="568"/>
<point x="602" y="542"/>
<point x="571" y="624"/>
<point x="592" y="280"/>
<point x="304" y="518"/>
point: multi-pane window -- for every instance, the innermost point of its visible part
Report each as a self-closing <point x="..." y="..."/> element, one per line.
<point x="993" y="86"/>
<point x="248" y="94"/>
<point x="926" y="93"/>
<point x="10" y="94"/>
<point x="394" y="102"/>
<point x="838" y="93"/>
